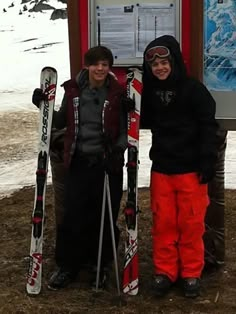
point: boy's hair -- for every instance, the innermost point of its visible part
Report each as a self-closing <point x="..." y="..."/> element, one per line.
<point x="98" y="53"/>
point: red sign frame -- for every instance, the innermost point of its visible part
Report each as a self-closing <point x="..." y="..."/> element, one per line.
<point x="81" y="22"/>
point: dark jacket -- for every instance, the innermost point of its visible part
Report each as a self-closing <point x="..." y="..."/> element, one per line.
<point x="112" y="122"/>
<point x="180" y="112"/>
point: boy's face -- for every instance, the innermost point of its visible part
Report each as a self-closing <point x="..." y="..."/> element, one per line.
<point x="161" y="68"/>
<point x="98" y="72"/>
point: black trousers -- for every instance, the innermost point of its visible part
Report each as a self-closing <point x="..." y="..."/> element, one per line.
<point x="78" y="235"/>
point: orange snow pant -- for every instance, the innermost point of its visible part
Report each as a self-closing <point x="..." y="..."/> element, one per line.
<point x="178" y="204"/>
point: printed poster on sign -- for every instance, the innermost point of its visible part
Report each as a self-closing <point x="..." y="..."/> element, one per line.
<point x="127" y="29"/>
<point x="220" y="45"/>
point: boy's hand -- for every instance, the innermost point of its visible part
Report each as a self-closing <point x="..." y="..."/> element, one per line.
<point x="38" y="96"/>
<point x="128" y="103"/>
<point x="206" y="175"/>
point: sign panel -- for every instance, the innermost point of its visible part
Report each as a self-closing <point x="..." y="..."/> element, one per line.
<point x="127" y="28"/>
<point x="220" y="57"/>
<point x="220" y="45"/>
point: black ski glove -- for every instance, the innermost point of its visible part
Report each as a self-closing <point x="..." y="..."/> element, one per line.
<point x="38" y="96"/>
<point x="206" y="174"/>
<point x="128" y="104"/>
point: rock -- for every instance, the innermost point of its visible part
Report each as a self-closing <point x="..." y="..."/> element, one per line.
<point x="25" y="1"/>
<point x="59" y="14"/>
<point x="41" y="6"/>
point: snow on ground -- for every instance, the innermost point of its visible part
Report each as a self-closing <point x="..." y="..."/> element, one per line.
<point x="28" y="43"/>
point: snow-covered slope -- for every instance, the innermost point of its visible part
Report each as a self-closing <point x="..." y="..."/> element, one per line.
<point x="25" y="6"/>
<point x="29" y="42"/>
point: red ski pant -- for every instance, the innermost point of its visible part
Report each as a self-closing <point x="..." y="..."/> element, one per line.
<point x="178" y="205"/>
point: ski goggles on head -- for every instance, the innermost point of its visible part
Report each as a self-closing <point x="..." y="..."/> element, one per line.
<point x="157" y="51"/>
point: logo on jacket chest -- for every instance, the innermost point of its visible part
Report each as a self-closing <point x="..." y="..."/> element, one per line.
<point x="166" y="97"/>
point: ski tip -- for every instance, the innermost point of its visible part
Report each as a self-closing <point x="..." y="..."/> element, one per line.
<point x="32" y="292"/>
<point x="49" y="68"/>
<point x="131" y="288"/>
<point x="131" y="292"/>
<point x="135" y="69"/>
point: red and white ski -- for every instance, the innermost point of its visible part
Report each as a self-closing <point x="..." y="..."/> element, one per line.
<point x="130" y="273"/>
<point x="48" y="82"/>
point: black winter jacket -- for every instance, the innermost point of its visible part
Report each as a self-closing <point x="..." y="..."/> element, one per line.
<point x="180" y="112"/>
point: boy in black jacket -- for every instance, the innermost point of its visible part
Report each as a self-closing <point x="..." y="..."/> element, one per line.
<point x="180" y="112"/>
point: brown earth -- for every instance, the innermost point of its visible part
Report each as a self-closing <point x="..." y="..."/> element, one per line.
<point x="18" y="135"/>
<point x="218" y="289"/>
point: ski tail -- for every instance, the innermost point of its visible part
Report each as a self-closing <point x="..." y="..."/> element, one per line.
<point x="130" y="273"/>
<point x="48" y="82"/>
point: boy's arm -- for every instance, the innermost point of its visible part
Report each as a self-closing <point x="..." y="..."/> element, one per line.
<point x="205" y="108"/>
<point x="59" y="117"/>
<point x="122" y="141"/>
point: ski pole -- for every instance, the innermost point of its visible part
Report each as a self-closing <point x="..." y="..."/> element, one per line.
<point x="107" y="195"/>
<point x="101" y="234"/>
<point x="112" y="235"/>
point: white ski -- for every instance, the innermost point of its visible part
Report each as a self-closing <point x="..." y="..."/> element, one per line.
<point x="48" y="82"/>
<point x="130" y="272"/>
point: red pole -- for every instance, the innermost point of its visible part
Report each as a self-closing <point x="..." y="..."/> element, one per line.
<point x="74" y="31"/>
<point x="186" y="32"/>
<point x="196" y="38"/>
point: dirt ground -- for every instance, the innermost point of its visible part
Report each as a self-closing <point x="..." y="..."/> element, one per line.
<point x="218" y="289"/>
<point x="14" y="147"/>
